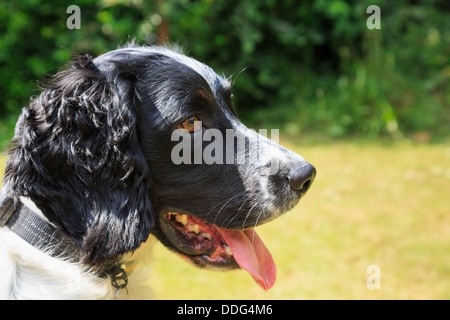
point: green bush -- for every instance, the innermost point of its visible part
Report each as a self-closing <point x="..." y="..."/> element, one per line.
<point x="314" y="66"/>
<point x="309" y="66"/>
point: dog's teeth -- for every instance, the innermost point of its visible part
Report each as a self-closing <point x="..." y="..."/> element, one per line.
<point x="194" y="228"/>
<point x="181" y="218"/>
<point x="228" y="250"/>
<point x="206" y="235"/>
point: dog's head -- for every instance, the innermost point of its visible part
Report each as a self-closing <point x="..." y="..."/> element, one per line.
<point x="145" y="139"/>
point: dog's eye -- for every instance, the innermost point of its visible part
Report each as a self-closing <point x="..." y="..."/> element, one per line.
<point x="191" y="124"/>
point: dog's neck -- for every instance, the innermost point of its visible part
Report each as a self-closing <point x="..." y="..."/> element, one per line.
<point x="29" y="223"/>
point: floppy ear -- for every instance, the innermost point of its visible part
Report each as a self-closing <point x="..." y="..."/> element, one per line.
<point x="77" y="156"/>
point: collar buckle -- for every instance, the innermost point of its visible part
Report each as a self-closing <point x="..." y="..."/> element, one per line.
<point x="119" y="278"/>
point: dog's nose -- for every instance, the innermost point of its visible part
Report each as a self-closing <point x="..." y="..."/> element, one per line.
<point x="301" y="177"/>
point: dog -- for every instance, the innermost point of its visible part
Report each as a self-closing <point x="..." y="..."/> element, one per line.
<point x="91" y="174"/>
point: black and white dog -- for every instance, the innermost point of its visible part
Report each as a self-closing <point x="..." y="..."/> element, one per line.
<point x="91" y="174"/>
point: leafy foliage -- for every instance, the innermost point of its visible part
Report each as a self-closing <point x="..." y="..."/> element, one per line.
<point x="309" y="66"/>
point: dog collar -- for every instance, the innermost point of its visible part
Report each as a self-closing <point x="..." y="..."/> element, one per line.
<point x="38" y="232"/>
<point x="35" y="230"/>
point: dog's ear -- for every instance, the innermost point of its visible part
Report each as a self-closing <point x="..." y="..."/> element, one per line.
<point x="76" y="155"/>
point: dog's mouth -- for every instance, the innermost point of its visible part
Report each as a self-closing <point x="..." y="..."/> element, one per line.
<point x="212" y="247"/>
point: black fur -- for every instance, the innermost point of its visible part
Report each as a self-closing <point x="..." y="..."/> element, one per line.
<point x="77" y="156"/>
<point x="93" y="151"/>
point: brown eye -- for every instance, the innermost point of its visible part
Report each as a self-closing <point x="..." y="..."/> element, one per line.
<point x="191" y="124"/>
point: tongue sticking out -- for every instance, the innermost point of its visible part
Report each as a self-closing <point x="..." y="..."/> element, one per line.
<point x="252" y="255"/>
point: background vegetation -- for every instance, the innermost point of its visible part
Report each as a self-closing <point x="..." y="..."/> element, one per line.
<point x="303" y="66"/>
<point x="314" y="70"/>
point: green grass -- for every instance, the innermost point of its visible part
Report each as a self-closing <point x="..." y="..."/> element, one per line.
<point x="371" y="204"/>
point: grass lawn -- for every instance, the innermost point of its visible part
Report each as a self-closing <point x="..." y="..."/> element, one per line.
<point x="371" y="204"/>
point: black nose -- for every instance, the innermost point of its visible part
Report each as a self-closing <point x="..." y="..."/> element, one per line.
<point x="301" y="177"/>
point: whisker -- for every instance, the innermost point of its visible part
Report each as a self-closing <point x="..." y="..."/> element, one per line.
<point x="263" y="211"/>
<point x="236" y="75"/>
<point x="217" y="214"/>
<point x="239" y="210"/>
<point x="248" y="214"/>
<point x="218" y="204"/>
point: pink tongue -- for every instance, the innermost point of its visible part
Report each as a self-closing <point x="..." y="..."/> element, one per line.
<point x="252" y="255"/>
